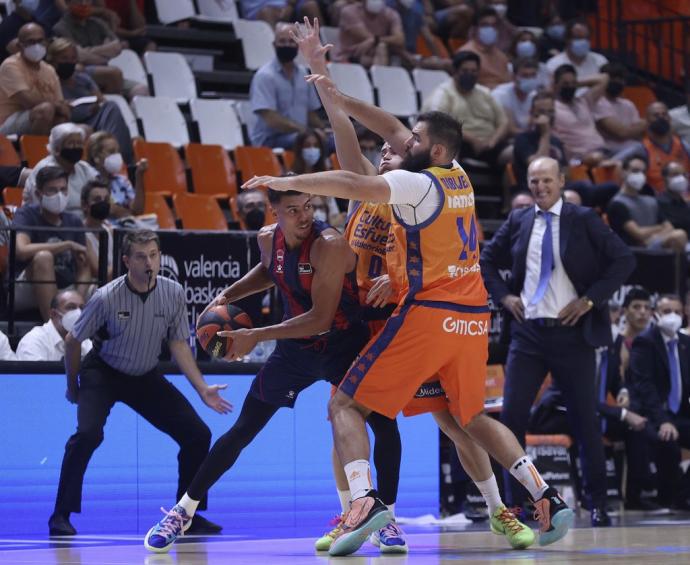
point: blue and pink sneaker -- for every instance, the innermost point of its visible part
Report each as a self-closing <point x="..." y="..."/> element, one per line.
<point x="389" y="539"/>
<point x="162" y="536"/>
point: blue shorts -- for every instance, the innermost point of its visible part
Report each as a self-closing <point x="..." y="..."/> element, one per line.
<point x="296" y="364"/>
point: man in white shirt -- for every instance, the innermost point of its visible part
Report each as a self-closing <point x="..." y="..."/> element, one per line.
<point x="578" y="52"/>
<point x="516" y="97"/>
<point x="680" y="117"/>
<point x="47" y="342"/>
<point x="6" y="353"/>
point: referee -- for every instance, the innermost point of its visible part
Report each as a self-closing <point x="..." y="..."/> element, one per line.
<point x="127" y="320"/>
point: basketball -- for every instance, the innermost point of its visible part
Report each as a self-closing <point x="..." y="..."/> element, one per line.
<point x="223" y="317"/>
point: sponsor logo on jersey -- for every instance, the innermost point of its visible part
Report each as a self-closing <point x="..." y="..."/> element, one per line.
<point x="455" y="271"/>
<point x="465" y="327"/>
<point x="460" y="200"/>
<point x="123" y="315"/>
<point x="430" y="390"/>
<point x="304" y="269"/>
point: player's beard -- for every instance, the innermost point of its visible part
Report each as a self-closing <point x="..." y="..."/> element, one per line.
<point x="416" y="163"/>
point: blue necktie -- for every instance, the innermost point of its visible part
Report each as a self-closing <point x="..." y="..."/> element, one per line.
<point x="674" y="395"/>
<point x="546" y="261"/>
<point x="603" y="374"/>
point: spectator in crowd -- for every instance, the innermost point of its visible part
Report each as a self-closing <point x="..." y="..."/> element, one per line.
<point x="30" y="96"/>
<point x="96" y="45"/>
<point x="451" y="18"/>
<point x="572" y="196"/>
<point x="274" y="11"/>
<point x="285" y="104"/>
<point x="47" y="342"/>
<point x="414" y="24"/>
<point x="96" y="201"/>
<point x="637" y="218"/>
<point x="66" y="147"/>
<point x="660" y="385"/>
<point x="574" y="124"/>
<point x="6" y="353"/>
<point x="11" y="23"/>
<point x="522" y="199"/>
<point x="552" y="41"/>
<point x="506" y="30"/>
<point x="672" y="201"/>
<point x="310" y="155"/>
<point x="524" y="46"/>
<point x="103" y="154"/>
<point x="578" y="52"/>
<point x="58" y="255"/>
<point x="494" y="66"/>
<point x="101" y="115"/>
<point x="251" y="208"/>
<point x="129" y="22"/>
<point x="680" y="117"/>
<point x="484" y="123"/>
<point x="516" y="97"/>
<point x="616" y="117"/>
<point x="370" y="33"/>
<point x="557" y="303"/>
<point x="326" y="210"/>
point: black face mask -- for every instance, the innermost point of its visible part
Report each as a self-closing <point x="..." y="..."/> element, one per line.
<point x="100" y="210"/>
<point x="65" y="70"/>
<point x="567" y="93"/>
<point x="286" y="53"/>
<point x="255" y="219"/>
<point x="466" y="81"/>
<point x="660" y="126"/>
<point x="615" y="88"/>
<point x="416" y="163"/>
<point x="71" y="154"/>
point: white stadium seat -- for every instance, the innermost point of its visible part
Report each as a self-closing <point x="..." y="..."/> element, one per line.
<point x="171" y="75"/>
<point x="171" y="11"/>
<point x="126" y="112"/>
<point x="130" y="65"/>
<point x="395" y="89"/>
<point x="257" y="42"/>
<point x="218" y="122"/>
<point x="162" y="120"/>
<point x="219" y="10"/>
<point x="426" y="80"/>
<point x="352" y="79"/>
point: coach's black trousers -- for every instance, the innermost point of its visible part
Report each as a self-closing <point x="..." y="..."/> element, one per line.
<point x="154" y="398"/>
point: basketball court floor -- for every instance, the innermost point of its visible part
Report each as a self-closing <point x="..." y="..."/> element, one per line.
<point x="634" y="540"/>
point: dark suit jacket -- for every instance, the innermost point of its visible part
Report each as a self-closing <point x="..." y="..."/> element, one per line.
<point x="595" y="259"/>
<point x="649" y="374"/>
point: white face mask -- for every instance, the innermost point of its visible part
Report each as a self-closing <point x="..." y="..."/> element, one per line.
<point x="669" y="323"/>
<point x="678" y="183"/>
<point x="55" y="203"/>
<point x="320" y="215"/>
<point x="113" y="163"/>
<point x="636" y="180"/>
<point x="375" y="6"/>
<point x="35" y="52"/>
<point x="500" y="9"/>
<point x="70" y="318"/>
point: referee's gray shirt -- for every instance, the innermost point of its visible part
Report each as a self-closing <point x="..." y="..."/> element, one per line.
<point x="127" y="328"/>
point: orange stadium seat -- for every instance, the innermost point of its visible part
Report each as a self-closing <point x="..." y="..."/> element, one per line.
<point x="34" y="148"/>
<point x="641" y="96"/>
<point x="166" y="172"/>
<point x="12" y="196"/>
<point x="424" y="49"/>
<point x="154" y="203"/>
<point x="8" y="154"/>
<point x="578" y="172"/>
<point x="199" y="212"/>
<point x="257" y="161"/>
<point x="609" y="173"/>
<point x="213" y="173"/>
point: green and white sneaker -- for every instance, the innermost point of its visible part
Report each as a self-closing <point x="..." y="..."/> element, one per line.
<point x="505" y="523"/>
<point x="325" y="541"/>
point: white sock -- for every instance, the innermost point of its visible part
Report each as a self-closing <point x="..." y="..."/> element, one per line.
<point x="344" y="496"/>
<point x="525" y="472"/>
<point x="391" y="508"/>
<point x="188" y="504"/>
<point x="489" y="490"/>
<point x="358" y="476"/>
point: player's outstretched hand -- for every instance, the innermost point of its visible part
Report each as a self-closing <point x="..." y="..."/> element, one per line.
<point x="276" y="183"/>
<point x="308" y="39"/>
<point x="327" y="88"/>
<point x="243" y="341"/>
<point x="379" y="294"/>
<point x="212" y="398"/>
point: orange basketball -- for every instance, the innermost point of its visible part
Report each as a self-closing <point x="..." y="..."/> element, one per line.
<point x="223" y="317"/>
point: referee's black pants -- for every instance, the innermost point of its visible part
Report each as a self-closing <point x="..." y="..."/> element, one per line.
<point x="150" y="395"/>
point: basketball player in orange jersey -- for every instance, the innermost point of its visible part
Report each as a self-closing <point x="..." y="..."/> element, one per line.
<point x="442" y="320"/>
<point x="367" y="231"/>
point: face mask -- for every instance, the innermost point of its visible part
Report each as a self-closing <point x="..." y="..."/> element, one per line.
<point x="29" y="5"/>
<point x="55" y="203"/>
<point x="669" y="323"/>
<point x="660" y="126"/>
<point x="70" y="318"/>
<point x="636" y="180"/>
<point x="113" y="163"/>
<point x="320" y="215"/>
<point x="80" y="11"/>
<point x="375" y="6"/>
<point x="579" y="47"/>
<point x="527" y="85"/>
<point x="556" y="31"/>
<point x="487" y="35"/>
<point x="500" y="9"/>
<point x="35" y="52"/>
<point x="71" y="154"/>
<point x="567" y="93"/>
<point x="615" y="88"/>
<point x="311" y="155"/>
<point x="65" y="70"/>
<point x="255" y="219"/>
<point x="466" y="81"/>
<point x="678" y="183"/>
<point x="525" y="49"/>
<point x="100" y="210"/>
<point x="286" y="53"/>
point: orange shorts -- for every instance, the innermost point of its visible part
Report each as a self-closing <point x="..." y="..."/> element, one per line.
<point x="421" y="341"/>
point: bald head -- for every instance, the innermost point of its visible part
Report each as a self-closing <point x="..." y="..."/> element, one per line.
<point x="29" y="33"/>
<point x="543" y="163"/>
<point x="545" y="181"/>
<point x="282" y="36"/>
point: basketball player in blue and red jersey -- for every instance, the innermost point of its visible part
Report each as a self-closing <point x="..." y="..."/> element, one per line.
<point x="313" y="268"/>
<point x="440" y="326"/>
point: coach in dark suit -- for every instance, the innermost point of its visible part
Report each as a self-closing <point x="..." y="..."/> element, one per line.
<point x="660" y="386"/>
<point x="565" y="265"/>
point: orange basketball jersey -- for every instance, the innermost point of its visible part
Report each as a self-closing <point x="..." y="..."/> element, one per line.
<point x="438" y="260"/>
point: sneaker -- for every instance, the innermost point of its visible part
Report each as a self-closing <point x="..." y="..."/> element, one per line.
<point x="325" y="541"/>
<point x="505" y="523"/>
<point x="389" y="539"/>
<point x="366" y="515"/>
<point x="554" y="516"/>
<point x="160" y="538"/>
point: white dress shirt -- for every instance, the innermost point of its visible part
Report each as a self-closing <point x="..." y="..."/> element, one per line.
<point x="44" y="343"/>
<point x="560" y="291"/>
<point x="6" y="353"/>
